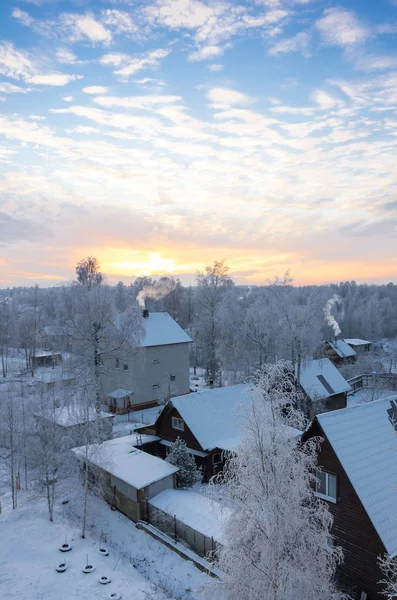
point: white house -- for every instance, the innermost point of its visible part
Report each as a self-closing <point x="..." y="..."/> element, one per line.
<point x="157" y="370"/>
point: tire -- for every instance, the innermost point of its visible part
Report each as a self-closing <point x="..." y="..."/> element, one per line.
<point x="88" y="569"/>
<point x="114" y="596"/>
<point x="61" y="568"/>
<point x="65" y="548"/>
<point x="103" y="551"/>
<point x="104" y="580"/>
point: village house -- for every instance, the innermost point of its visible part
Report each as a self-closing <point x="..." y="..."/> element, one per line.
<point x="46" y="358"/>
<point x="338" y="351"/>
<point x="357" y="477"/>
<point x="358" y="345"/>
<point x="323" y="385"/>
<point x="135" y="378"/>
<point x="207" y="422"/>
<point x="128" y="477"/>
<point x="71" y="424"/>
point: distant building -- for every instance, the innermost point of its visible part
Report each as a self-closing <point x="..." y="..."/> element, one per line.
<point x="323" y="385"/>
<point x="338" y="351"/>
<point x="135" y="378"/>
<point x="358" y="345"/>
<point x="357" y="477"/>
<point x="71" y="424"/>
<point x="46" y="358"/>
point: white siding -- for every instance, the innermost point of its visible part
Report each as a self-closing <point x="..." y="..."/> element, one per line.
<point x="159" y="486"/>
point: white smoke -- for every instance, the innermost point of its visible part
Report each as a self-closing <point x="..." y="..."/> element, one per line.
<point x="160" y="289"/>
<point x="332" y="322"/>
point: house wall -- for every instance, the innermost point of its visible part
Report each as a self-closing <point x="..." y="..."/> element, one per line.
<point x="352" y="527"/>
<point x="149" y="373"/>
<point x="159" y="486"/>
<point x="336" y="401"/>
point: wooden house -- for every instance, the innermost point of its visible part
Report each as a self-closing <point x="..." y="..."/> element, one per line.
<point x="129" y="477"/>
<point x="323" y="385"/>
<point x="358" y="345"/>
<point x="357" y="477"/>
<point x="207" y="422"/>
<point x="338" y="351"/>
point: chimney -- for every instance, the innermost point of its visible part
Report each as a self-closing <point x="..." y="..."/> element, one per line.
<point x="145" y="313"/>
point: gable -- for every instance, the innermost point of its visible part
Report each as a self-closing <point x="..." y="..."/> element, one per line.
<point x="321" y="379"/>
<point x="165" y="430"/>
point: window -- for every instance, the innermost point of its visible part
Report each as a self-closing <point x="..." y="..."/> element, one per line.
<point x="326" y="485"/>
<point x="172" y="377"/>
<point x="178" y="423"/>
<point x="156" y="361"/>
<point x="217" y="458"/>
<point x="117" y="363"/>
<point x="125" y="367"/>
<point x="155" y="386"/>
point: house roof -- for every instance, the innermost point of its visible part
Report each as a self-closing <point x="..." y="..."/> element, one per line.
<point x="321" y="379"/>
<point x="120" y="393"/>
<point x="68" y="416"/>
<point x="342" y="349"/>
<point x="365" y="442"/>
<point x="211" y="415"/>
<point x="120" y="458"/>
<point x="357" y="342"/>
<point x="160" y="329"/>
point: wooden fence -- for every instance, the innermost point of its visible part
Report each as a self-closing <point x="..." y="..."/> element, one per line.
<point x="387" y="381"/>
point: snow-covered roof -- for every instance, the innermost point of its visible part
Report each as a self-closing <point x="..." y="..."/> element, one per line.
<point x="211" y="415"/>
<point x="357" y="342"/>
<point x="120" y="458"/>
<point x="53" y="376"/>
<point x="44" y="353"/>
<point x="160" y="329"/>
<point x="342" y="349"/>
<point x="321" y="379"/>
<point x="68" y="416"/>
<point x="193" y="509"/>
<point x="365" y="442"/>
<point x="120" y="393"/>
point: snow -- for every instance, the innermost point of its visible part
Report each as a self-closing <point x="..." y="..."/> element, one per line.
<point x="160" y="329"/>
<point x="147" y="416"/>
<point x="357" y="342"/>
<point x="342" y="349"/>
<point x="139" y="566"/>
<point x="68" y="416"/>
<point x="192" y="509"/>
<point x="212" y="415"/>
<point x="367" y="395"/>
<point x="314" y="388"/>
<point x="120" y="393"/>
<point x="120" y="458"/>
<point x="365" y="443"/>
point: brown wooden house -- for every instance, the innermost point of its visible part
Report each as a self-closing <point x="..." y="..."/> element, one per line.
<point x="357" y="477"/>
<point x="207" y="422"/>
<point x="323" y="385"/>
<point x="338" y="351"/>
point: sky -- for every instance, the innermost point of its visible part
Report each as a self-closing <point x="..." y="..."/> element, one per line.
<point x="160" y="136"/>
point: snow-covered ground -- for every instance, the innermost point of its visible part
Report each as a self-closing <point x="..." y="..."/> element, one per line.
<point x="139" y="566"/>
<point x="367" y="395"/>
<point x="197" y="382"/>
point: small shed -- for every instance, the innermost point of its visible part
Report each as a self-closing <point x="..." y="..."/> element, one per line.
<point x="119" y="401"/>
<point x="358" y="345"/>
<point x="45" y="358"/>
<point x="70" y="423"/>
<point x="132" y="477"/>
<point x="338" y="351"/>
<point x="324" y="385"/>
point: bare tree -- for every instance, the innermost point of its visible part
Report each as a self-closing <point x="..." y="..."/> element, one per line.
<point x="88" y="272"/>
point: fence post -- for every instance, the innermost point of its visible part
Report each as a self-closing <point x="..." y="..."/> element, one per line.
<point x="175" y="530"/>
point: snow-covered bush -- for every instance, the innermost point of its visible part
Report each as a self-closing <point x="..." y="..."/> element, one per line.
<point x="188" y="473"/>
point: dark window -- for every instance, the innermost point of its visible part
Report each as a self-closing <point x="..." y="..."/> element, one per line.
<point x="172" y="377"/>
<point x="326" y="485"/>
<point x="125" y="367"/>
<point x="117" y="363"/>
<point x="217" y="458"/>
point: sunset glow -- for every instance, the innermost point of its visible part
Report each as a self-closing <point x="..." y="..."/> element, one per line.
<point x="165" y="135"/>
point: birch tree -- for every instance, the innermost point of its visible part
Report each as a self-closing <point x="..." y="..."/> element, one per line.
<point x="277" y="541"/>
<point x="388" y="567"/>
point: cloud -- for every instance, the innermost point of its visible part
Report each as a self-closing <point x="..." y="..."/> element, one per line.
<point x="215" y="67"/>
<point x="141" y="102"/>
<point x="299" y="43"/>
<point x="68" y="98"/>
<point x="325" y="101"/>
<point x="225" y="97"/>
<point x="66" y="57"/>
<point x="95" y="89"/>
<point x="129" y="64"/>
<point x="176" y="14"/>
<point x="10" y="88"/>
<point x="79" y="27"/>
<point x="120" y="22"/>
<point x="205" y="53"/>
<point x="19" y="65"/>
<point x="341" y="27"/>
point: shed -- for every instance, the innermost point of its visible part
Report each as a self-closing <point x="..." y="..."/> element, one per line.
<point x="132" y="476"/>
<point x="324" y="384"/>
<point x="358" y="345"/>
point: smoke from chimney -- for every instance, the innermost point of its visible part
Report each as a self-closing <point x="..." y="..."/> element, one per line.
<point x="160" y="289"/>
<point x="332" y="322"/>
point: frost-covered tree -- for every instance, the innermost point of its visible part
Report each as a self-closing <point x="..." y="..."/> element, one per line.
<point x="388" y="567"/>
<point x="277" y="542"/>
<point x="188" y="473"/>
<point x="88" y="272"/>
